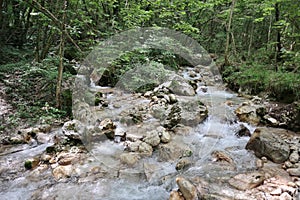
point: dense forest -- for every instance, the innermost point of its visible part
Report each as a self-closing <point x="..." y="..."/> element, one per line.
<point x="213" y="113"/>
<point x="255" y="43"/>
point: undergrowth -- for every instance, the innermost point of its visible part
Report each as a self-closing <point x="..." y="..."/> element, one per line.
<point x="280" y="85"/>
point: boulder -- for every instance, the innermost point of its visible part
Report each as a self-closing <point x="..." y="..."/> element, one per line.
<point x="129" y="158"/>
<point x="193" y="111"/>
<point x="294" y="171"/>
<point x="145" y="148"/>
<point x="189" y="112"/>
<point x="175" y="195"/>
<point x="72" y="129"/>
<point x="250" y="113"/>
<point x="108" y="127"/>
<point x="188" y="190"/>
<point x="243" y="131"/>
<point x="247" y="181"/>
<point x="179" y="86"/>
<point x="183" y="163"/>
<point x="173" y="151"/>
<point x="62" y="172"/>
<point x="152" y="138"/>
<point x="269" y="143"/>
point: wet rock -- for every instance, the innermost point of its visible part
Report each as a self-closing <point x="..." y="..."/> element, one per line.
<point x="175" y="195"/>
<point x="261" y="162"/>
<point x="183" y="163"/>
<point x="133" y="146"/>
<point x="243" y="131"/>
<point x="267" y="142"/>
<point x="67" y="158"/>
<point x="165" y="136"/>
<point x="188" y="190"/>
<point x="108" y="127"/>
<point x="152" y="171"/>
<point x="42" y="138"/>
<point x="72" y="129"/>
<point x="46" y="157"/>
<point x="220" y="156"/>
<point x="178" y="85"/>
<point x="172" y="98"/>
<point x="189" y="112"/>
<point x="285" y="196"/>
<point x="18" y="139"/>
<point x="173" y="151"/>
<point x="294" y="157"/>
<point x="192" y="112"/>
<point x="145" y="149"/>
<point x="152" y="138"/>
<point x="247" y="181"/>
<point x="107" y="124"/>
<point x="148" y="94"/>
<point x="270" y="120"/>
<point x="294" y="171"/>
<point x="129" y="158"/>
<point x="250" y="113"/>
<point x="62" y="171"/>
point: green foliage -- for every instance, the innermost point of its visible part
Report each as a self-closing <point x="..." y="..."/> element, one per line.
<point x="282" y="86"/>
<point x="31" y="90"/>
<point x="144" y="77"/>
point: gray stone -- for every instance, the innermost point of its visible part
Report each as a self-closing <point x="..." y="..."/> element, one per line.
<point x="188" y="190"/>
<point x="173" y="151"/>
<point x="145" y="148"/>
<point x="247" y="181"/>
<point x="294" y="171"/>
<point x="129" y="158"/>
<point x="152" y="138"/>
<point x="178" y="85"/>
<point x="72" y="129"/>
<point x="294" y="157"/>
<point x="267" y="142"/>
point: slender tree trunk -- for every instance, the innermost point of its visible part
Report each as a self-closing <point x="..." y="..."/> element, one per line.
<point x="251" y="39"/>
<point x="278" y="37"/>
<point x="61" y="57"/>
<point x="1" y="8"/>
<point x="226" y="61"/>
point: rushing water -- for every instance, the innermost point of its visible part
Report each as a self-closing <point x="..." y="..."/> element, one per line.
<point x="217" y="132"/>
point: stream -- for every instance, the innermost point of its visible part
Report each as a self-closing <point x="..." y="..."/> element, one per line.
<point x="150" y="177"/>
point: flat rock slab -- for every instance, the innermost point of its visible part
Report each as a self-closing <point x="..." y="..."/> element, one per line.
<point x="247" y="181"/>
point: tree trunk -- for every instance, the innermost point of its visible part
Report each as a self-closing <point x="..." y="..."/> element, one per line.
<point x="61" y="57"/>
<point x="278" y="37"/>
<point x="226" y="61"/>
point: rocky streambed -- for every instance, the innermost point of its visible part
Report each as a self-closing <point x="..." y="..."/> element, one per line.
<point x="189" y="138"/>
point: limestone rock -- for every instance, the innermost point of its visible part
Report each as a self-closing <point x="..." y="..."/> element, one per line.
<point x="247" y="181"/>
<point x="175" y="195"/>
<point x="129" y="158"/>
<point x="72" y="129"/>
<point x="179" y="86"/>
<point x="250" y="113"/>
<point x="294" y="171"/>
<point x="173" y="151"/>
<point x="294" y="157"/>
<point x="188" y="190"/>
<point x="62" y="172"/>
<point x="243" y="131"/>
<point x="165" y="136"/>
<point x="267" y="142"/>
<point x="183" y="163"/>
<point x="145" y="148"/>
<point x="222" y="156"/>
<point x="152" y="138"/>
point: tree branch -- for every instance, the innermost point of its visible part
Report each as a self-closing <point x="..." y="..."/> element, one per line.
<point x="56" y="21"/>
